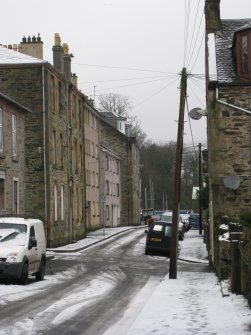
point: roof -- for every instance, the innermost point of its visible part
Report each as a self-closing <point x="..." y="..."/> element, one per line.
<point x="224" y="43"/>
<point x="112" y="116"/>
<point x="8" y="56"/>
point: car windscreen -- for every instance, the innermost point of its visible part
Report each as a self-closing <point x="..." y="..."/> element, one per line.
<point x="167" y="218"/>
<point x="13" y="234"/>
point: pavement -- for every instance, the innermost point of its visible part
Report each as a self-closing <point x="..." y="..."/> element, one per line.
<point x="193" y="303"/>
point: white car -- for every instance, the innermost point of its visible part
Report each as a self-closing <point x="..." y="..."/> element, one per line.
<point x="22" y="248"/>
<point x="168" y="217"/>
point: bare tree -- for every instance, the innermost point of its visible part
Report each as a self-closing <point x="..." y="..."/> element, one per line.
<point x="115" y="103"/>
<point x="121" y="105"/>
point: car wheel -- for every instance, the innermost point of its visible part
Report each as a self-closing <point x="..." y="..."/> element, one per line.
<point x="40" y="274"/>
<point x="24" y="275"/>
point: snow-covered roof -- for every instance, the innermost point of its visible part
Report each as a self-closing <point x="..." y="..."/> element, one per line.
<point x="225" y="62"/>
<point x="8" y="56"/>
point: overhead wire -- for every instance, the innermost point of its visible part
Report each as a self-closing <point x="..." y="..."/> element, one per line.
<point x="123" y="68"/>
<point x="186" y="30"/>
<point x="157" y="92"/>
<point x="194" y="26"/>
<point x="130" y="85"/>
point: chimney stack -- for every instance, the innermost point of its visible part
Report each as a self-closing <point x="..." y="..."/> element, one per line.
<point x="58" y="54"/>
<point x="32" y="46"/>
<point x="67" y="62"/>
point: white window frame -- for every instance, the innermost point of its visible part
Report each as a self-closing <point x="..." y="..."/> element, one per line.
<point x="62" y="202"/>
<point x="14" y="134"/>
<point x="55" y="203"/>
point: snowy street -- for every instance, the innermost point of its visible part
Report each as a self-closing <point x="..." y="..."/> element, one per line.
<point x="111" y="287"/>
<point x="85" y="291"/>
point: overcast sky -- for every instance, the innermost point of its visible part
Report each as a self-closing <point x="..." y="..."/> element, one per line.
<point x="135" y="48"/>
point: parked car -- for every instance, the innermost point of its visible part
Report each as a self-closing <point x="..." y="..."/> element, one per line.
<point x="168" y="217"/>
<point x="22" y="248"/>
<point x="185" y="214"/>
<point x="146" y="215"/>
<point x="157" y="215"/>
<point x="194" y="221"/>
<point x="158" y="237"/>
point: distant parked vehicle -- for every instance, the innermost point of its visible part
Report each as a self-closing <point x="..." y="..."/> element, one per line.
<point x="185" y="214"/>
<point x="146" y="215"/>
<point x="168" y="217"/>
<point x="158" y="237"/>
<point x="157" y="215"/>
<point x="194" y="221"/>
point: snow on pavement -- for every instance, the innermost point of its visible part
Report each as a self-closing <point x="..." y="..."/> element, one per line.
<point x="193" y="304"/>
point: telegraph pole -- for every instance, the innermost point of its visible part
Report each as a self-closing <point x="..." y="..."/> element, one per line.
<point x="177" y="178"/>
<point x="200" y="192"/>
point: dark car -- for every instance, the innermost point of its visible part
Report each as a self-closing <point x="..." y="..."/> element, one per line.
<point x="158" y="237"/>
<point x="194" y="221"/>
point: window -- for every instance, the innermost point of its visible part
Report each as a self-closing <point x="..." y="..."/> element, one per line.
<point x="62" y="202"/>
<point x="244" y="43"/>
<point x="61" y="150"/>
<point x="93" y="208"/>
<point x="54" y="146"/>
<point x="93" y="152"/>
<point x="55" y="203"/>
<point x="81" y="158"/>
<point x="107" y="212"/>
<point x="97" y="208"/>
<point x="106" y="163"/>
<point x="14" y="135"/>
<point x="107" y="187"/>
<point x="2" y="190"/>
<point x="117" y="190"/>
<point x="1" y="130"/>
<point x="15" y="196"/>
<point x="93" y="179"/>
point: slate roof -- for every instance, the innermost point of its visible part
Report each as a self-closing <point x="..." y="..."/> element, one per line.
<point x="224" y="42"/>
<point x="8" y="56"/>
<point x="112" y="116"/>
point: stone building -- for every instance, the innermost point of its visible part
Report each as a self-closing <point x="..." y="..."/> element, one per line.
<point x="229" y="126"/>
<point x="126" y="150"/>
<point x="63" y="139"/>
<point x="12" y="156"/>
<point x="55" y="178"/>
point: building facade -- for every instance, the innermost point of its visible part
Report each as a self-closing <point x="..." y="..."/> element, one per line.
<point x="55" y="179"/>
<point x="65" y="181"/>
<point x="12" y="156"/>
<point x="229" y="127"/>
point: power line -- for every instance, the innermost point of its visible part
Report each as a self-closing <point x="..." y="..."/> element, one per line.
<point x="195" y="21"/>
<point x="124" y="79"/>
<point x="122" y="68"/>
<point x="130" y="85"/>
<point x="151" y="96"/>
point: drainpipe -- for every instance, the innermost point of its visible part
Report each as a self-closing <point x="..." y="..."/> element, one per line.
<point x="230" y="105"/>
<point x="44" y="151"/>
